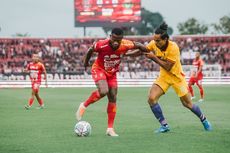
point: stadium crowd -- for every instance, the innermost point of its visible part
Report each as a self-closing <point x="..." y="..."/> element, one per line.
<point x="66" y="55"/>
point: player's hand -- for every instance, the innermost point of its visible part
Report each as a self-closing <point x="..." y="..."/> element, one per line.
<point x="25" y="70"/>
<point x="86" y="65"/>
<point x="150" y="55"/>
<point x="134" y="52"/>
<point x="85" y="69"/>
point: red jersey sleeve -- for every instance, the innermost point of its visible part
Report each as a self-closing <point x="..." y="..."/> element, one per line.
<point x="42" y="67"/>
<point x="201" y="62"/>
<point x="126" y="45"/>
<point x="96" y="46"/>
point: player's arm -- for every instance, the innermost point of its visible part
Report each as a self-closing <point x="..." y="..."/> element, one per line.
<point x="45" y="73"/>
<point x="140" y="46"/>
<point x="133" y="53"/>
<point x="166" y="64"/>
<point x="199" y="69"/>
<point x="88" y="56"/>
<point x="137" y="51"/>
<point x="26" y="69"/>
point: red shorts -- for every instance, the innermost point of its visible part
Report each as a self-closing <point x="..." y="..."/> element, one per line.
<point x="100" y="74"/>
<point x="193" y="80"/>
<point x="36" y="85"/>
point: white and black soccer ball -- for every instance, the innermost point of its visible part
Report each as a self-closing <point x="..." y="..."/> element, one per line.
<point x="82" y="129"/>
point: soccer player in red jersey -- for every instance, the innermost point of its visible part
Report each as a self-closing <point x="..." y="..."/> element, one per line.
<point x="36" y="68"/>
<point x="104" y="68"/>
<point x="196" y="77"/>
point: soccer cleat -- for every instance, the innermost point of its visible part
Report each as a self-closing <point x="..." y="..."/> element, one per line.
<point x="193" y="97"/>
<point x="80" y="111"/>
<point x="207" y="125"/>
<point x="27" y="107"/>
<point x="163" y="129"/>
<point x="111" y="132"/>
<point x="200" y="100"/>
<point x="40" y="107"/>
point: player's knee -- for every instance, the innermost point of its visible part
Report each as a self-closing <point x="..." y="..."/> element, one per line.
<point x="33" y="92"/>
<point x="36" y="94"/>
<point x="103" y="92"/>
<point x="187" y="104"/>
<point x="200" y="87"/>
<point x="113" y="98"/>
<point x="184" y="104"/>
<point x="152" y="99"/>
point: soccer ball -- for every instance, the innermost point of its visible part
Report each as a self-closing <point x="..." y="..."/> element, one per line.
<point x="82" y="129"/>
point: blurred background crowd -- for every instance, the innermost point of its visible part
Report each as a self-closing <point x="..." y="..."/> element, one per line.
<point x="66" y="55"/>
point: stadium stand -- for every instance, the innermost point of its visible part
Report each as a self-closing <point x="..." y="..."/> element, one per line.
<point x="66" y="55"/>
<point x="63" y="59"/>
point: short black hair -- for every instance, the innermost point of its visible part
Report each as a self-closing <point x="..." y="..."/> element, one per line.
<point x="162" y="30"/>
<point x="117" y="31"/>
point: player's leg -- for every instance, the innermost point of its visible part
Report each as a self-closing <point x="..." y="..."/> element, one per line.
<point x="99" y="78"/>
<point x="102" y="90"/>
<point x="181" y="90"/>
<point x="156" y="91"/>
<point x="186" y="101"/>
<point x="39" y="99"/>
<point x="199" y="84"/>
<point x="190" y="84"/>
<point x="31" y="100"/>
<point x="111" y="111"/>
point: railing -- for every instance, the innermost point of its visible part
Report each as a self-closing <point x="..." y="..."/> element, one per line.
<point x="90" y="83"/>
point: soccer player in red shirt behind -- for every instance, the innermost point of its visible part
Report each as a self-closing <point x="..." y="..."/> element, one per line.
<point x="104" y="68"/>
<point x="35" y="68"/>
<point x="196" y="77"/>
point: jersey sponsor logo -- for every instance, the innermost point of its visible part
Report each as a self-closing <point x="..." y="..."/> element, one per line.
<point x="106" y="58"/>
<point x="114" y="56"/>
<point x="33" y="67"/>
<point x="103" y="46"/>
<point x="112" y="63"/>
<point x="34" y="74"/>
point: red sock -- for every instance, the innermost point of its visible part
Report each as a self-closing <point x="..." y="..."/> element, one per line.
<point x="201" y="91"/>
<point x="111" y="111"/>
<point x="31" y="100"/>
<point x="95" y="96"/>
<point x="191" y="90"/>
<point x="40" y="101"/>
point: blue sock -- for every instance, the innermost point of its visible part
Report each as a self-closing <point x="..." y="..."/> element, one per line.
<point x="156" y="109"/>
<point x="196" y="110"/>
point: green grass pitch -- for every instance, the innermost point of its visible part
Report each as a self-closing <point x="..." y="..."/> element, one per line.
<point x="51" y="130"/>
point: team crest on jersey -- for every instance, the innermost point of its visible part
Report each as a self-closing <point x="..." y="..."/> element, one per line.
<point x="114" y="56"/>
